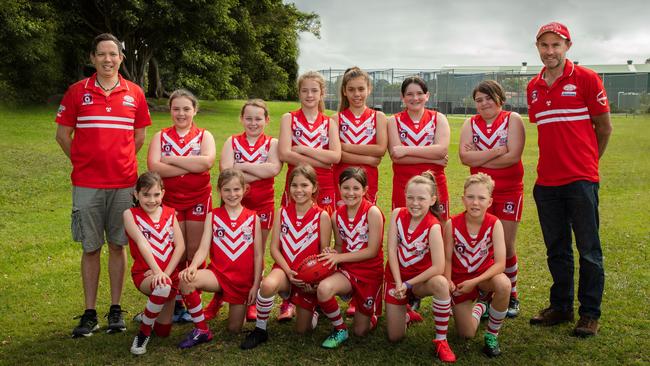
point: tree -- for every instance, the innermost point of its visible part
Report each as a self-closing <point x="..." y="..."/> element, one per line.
<point x="29" y="61"/>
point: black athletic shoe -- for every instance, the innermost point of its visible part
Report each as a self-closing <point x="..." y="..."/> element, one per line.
<point x="87" y="325"/>
<point x="115" y="320"/>
<point x="254" y="338"/>
<point x="491" y="348"/>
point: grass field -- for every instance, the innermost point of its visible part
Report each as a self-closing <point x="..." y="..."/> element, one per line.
<point x="40" y="285"/>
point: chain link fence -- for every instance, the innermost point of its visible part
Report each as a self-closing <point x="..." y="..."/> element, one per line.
<point x="451" y="89"/>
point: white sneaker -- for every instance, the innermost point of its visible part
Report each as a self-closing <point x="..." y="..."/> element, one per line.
<point x="139" y="346"/>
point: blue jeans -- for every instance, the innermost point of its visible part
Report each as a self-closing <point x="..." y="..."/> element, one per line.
<point x="561" y="209"/>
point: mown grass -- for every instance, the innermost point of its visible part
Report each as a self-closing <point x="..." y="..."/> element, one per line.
<point x="40" y="287"/>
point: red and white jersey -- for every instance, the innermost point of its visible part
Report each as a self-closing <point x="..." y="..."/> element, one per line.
<point x="160" y="236"/>
<point x="413" y="246"/>
<point x="487" y="138"/>
<point x="472" y="254"/>
<point x="103" y="143"/>
<point x="568" y="149"/>
<point x="361" y="130"/>
<point x="314" y="135"/>
<point x="299" y="236"/>
<point x="184" y="191"/>
<point x="354" y="234"/>
<point x="232" y="251"/>
<point x="421" y="133"/>
<point x="261" y="191"/>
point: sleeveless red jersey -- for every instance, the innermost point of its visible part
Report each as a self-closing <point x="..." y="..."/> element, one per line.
<point x="360" y="130"/>
<point x="299" y="236"/>
<point x="314" y="135"/>
<point x="472" y="255"/>
<point x="232" y="251"/>
<point x="261" y="191"/>
<point x="353" y="232"/>
<point x="413" y="247"/>
<point x="487" y="138"/>
<point x="160" y="236"/>
<point x="184" y="191"/>
<point x="417" y="134"/>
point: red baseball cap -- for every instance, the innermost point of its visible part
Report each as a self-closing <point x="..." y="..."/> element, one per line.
<point x="555" y="27"/>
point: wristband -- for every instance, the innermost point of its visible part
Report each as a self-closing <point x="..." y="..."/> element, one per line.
<point x="408" y="285"/>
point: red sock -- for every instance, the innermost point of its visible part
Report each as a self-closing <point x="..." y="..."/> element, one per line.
<point x="154" y="305"/>
<point x="194" y="307"/>
<point x="512" y="268"/>
<point x="333" y="312"/>
<point x="162" y="330"/>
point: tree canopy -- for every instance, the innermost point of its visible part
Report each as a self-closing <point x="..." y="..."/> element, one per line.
<point x="215" y="48"/>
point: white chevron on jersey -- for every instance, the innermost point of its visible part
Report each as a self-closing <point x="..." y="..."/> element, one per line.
<point x="408" y="252"/>
<point x="356" y="134"/>
<point x="317" y="138"/>
<point x="177" y="150"/>
<point x="294" y="241"/>
<point x="357" y="236"/>
<point x="471" y="256"/>
<point x="160" y="239"/>
<point x="487" y="143"/>
<point x="232" y="242"/>
<point x="413" y="138"/>
<point x="254" y="156"/>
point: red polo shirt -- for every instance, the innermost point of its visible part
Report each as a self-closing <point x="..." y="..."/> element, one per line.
<point x="103" y="144"/>
<point x="568" y="150"/>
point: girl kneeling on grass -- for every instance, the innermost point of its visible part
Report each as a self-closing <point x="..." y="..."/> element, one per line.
<point x="358" y="228"/>
<point x="183" y="155"/>
<point x="233" y="240"/>
<point x="416" y="262"/>
<point x="256" y="155"/>
<point x="475" y="254"/>
<point x="300" y="230"/>
<point x="156" y="245"/>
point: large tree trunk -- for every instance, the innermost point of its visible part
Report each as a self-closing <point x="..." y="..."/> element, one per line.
<point x="155" y="86"/>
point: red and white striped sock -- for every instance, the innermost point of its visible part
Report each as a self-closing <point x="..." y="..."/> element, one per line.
<point x="441" y="309"/>
<point x="495" y="321"/>
<point x="333" y="312"/>
<point x="512" y="268"/>
<point x="263" y="305"/>
<point x="478" y="310"/>
<point x="195" y="308"/>
<point x="157" y="299"/>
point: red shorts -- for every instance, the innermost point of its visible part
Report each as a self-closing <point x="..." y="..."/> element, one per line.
<point x="365" y="293"/>
<point x="373" y="181"/>
<point x="231" y="293"/>
<point x="507" y="205"/>
<point x="460" y="278"/>
<point x="196" y="212"/>
<point x="138" y="277"/>
<point x="389" y="290"/>
<point x="401" y="176"/>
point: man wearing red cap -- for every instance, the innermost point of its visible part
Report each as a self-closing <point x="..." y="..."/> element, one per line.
<point x="568" y="104"/>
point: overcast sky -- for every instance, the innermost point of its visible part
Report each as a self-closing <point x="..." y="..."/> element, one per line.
<point x="430" y="34"/>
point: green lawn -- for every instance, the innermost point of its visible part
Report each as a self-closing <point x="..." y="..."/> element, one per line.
<point x="40" y="286"/>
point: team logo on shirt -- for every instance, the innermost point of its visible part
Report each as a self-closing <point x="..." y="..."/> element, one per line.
<point x="238" y="156"/>
<point x="402" y="135"/>
<point x="297" y="133"/>
<point x="87" y="99"/>
<point x="128" y="101"/>
<point x="326" y="200"/>
<point x="475" y="138"/>
<point x="509" y="207"/>
<point x="264" y="217"/>
<point x="533" y="96"/>
<point x="602" y="98"/>
<point x="344" y="127"/>
<point x="166" y="149"/>
<point x="284" y="229"/>
<point x="247" y="234"/>
<point x="60" y="110"/>
<point x="219" y="232"/>
<point x="146" y="233"/>
<point x="369" y="302"/>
